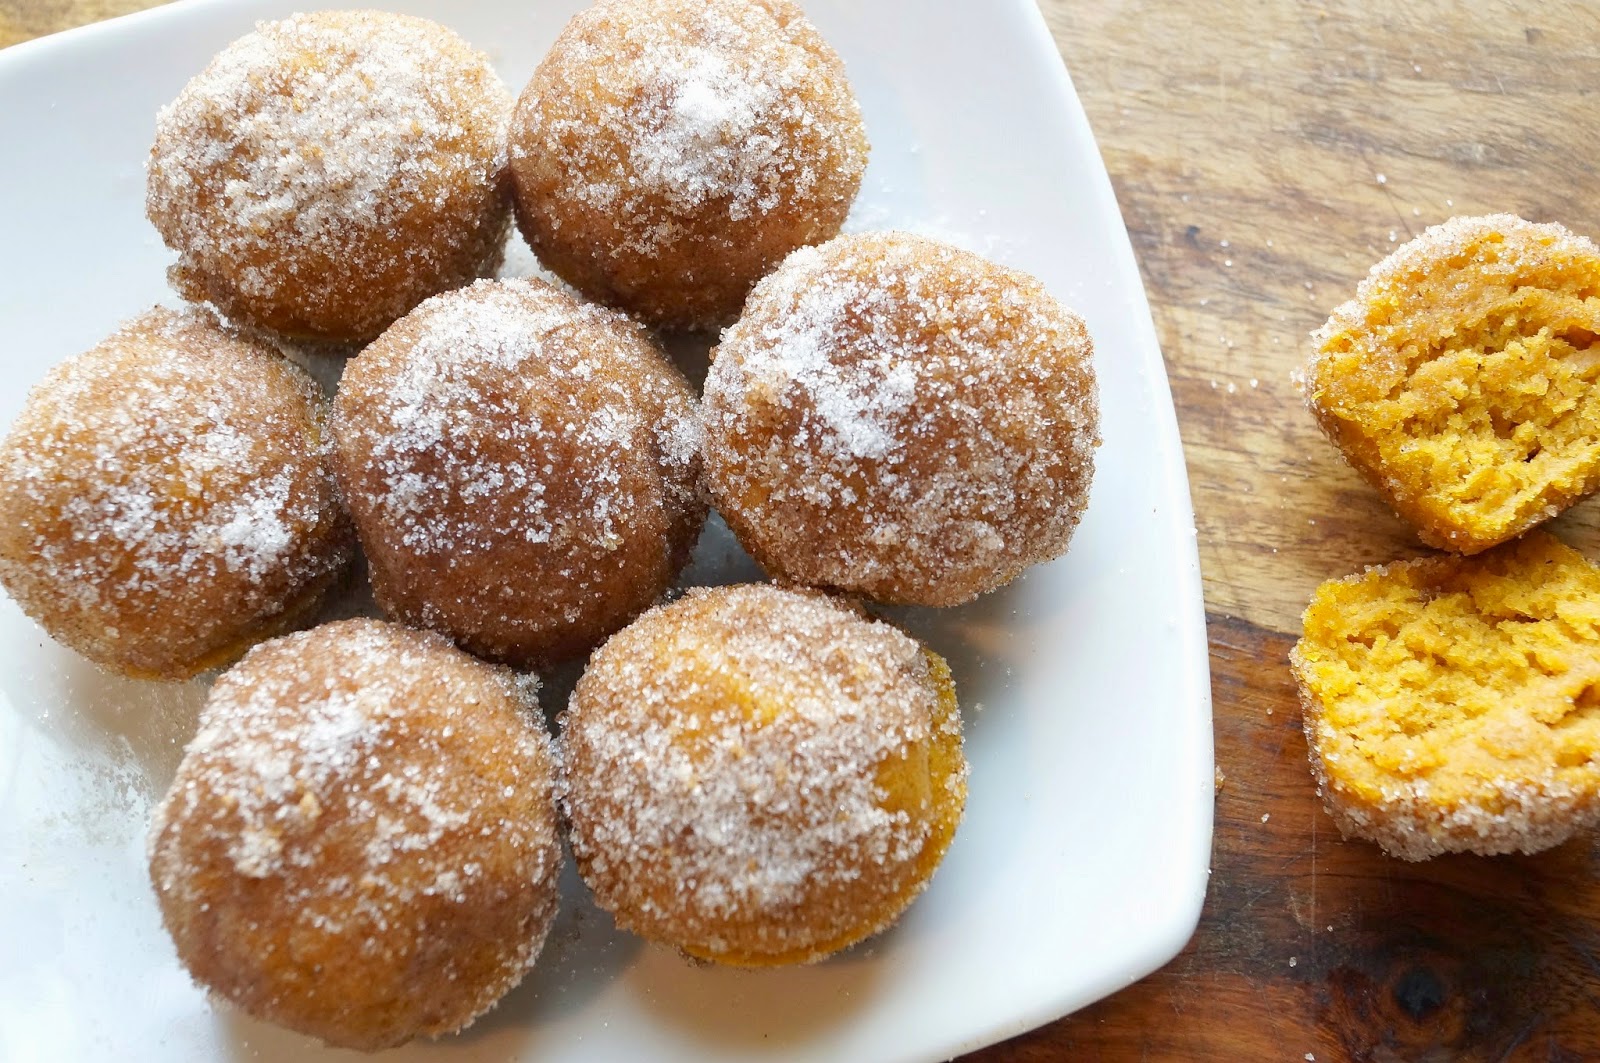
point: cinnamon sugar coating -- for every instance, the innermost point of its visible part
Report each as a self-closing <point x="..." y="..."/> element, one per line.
<point x="759" y="776"/>
<point x="326" y="173"/>
<point x="361" y="841"/>
<point x="523" y="468"/>
<point x="667" y="154"/>
<point x="902" y="419"/>
<point x="165" y="498"/>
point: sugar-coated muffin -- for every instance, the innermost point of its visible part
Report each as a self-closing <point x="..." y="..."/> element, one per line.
<point x="1460" y="380"/>
<point x="1453" y="704"/>
<point x="166" y="499"/>
<point x="361" y="842"/>
<point x="898" y="418"/>
<point x="667" y="154"/>
<point x="758" y="776"/>
<point x="523" y="469"/>
<point x="326" y="173"/>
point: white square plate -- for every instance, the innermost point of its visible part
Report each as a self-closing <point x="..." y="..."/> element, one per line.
<point x="1082" y="862"/>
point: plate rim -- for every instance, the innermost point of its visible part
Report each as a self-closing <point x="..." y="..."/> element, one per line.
<point x="1167" y="935"/>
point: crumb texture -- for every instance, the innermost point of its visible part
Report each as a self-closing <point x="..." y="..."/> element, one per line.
<point x="1461" y="378"/>
<point x="896" y="417"/>
<point x="361" y="840"/>
<point x="760" y="776"/>
<point x="1453" y="704"/>
<point x="165" y="497"/>
<point x="326" y="173"/>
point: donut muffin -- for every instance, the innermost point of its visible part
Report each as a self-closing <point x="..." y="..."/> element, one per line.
<point x="1460" y="380"/>
<point x="1453" y="704"/>
<point x="668" y="154"/>
<point x="759" y="776"/>
<point x="898" y="418"/>
<point x="166" y="500"/>
<point x="523" y="469"/>
<point x="326" y="173"/>
<point x="361" y="841"/>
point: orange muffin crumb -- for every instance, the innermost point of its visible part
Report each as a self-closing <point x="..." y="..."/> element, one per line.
<point x="1460" y="379"/>
<point x="1453" y="704"/>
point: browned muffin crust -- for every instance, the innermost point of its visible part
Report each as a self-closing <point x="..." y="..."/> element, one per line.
<point x="361" y="842"/>
<point x="760" y="776"/>
<point x="523" y="469"/>
<point x="166" y="500"/>
<point x="326" y="173"/>
<point x="667" y="154"/>
<point x="902" y="419"/>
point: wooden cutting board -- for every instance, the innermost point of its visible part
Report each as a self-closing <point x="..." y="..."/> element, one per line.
<point x="1266" y="153"/>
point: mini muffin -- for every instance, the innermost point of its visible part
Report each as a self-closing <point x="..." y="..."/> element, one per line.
<point x="325" y="174"/>
<point x="1453" y="704"/>
<point x="523" y="468"/>
<point x="1460" y="381"/>
<point x="901" y="419"/>
<point x="759" y="776"/>
<point x="669" y="153"/>
<point x="361" y="841"/>
<point x="165" y="499"/>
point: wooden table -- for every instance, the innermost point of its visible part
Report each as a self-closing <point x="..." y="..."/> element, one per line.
<point x="1266" y="152"/>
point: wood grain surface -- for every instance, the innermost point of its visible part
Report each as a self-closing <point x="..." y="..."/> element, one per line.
<point x="1266" y="153"/>
<point x="22" y="20"/>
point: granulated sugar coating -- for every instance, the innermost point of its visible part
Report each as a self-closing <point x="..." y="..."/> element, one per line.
<point x="669" y="153"/>
<point x="902" y="419"/>
<point x="760" y="776"/>
<point x="328" y="172"/>
<point x="523" y="468"/>
<point x="1453" y="704"/>
<point x="166" y="501"/>
<point x="1463" y="380"/>
<point x="361" y="842"/>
